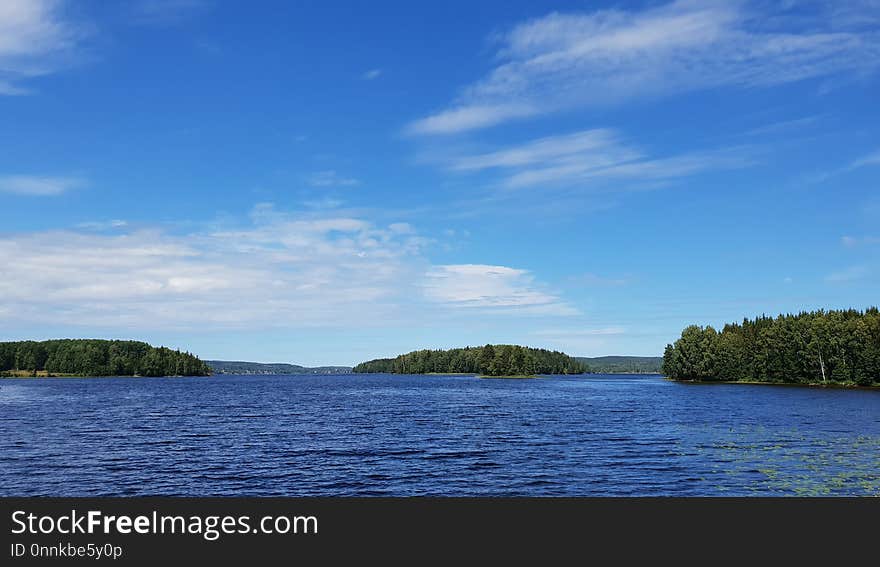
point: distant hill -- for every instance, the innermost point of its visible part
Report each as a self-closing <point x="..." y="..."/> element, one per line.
<point x="622" y="364"/>
<point x="258" y="368"/>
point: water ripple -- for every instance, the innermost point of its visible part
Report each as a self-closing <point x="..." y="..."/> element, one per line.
<point x="430" y="435"/>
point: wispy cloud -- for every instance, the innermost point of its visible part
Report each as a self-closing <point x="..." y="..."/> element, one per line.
<point x="850" y="274"/>
<point x="578" y="340"/>
<point x="590" y="279"/>
<point x="592" y="156"/>
<point x="166" y="12"/>
<point x="783" y="126"/>
<point x="580" y="332"/>
<point x="605" y="57"/>
<point x="868" y="160"/>
<point x="371" y="74"/>
<point x="330" y="178"/>
<point x="854" y="241"/>
<point x="35" y="40"/>
<point x="470" y="117"/>
<point x="500" y="288"/>
<point x="37" y="185"/>
<point x="103" y="225"/>
<point x="327" y="203"/>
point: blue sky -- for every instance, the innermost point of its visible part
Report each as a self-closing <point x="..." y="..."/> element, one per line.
<point x="323" y="183"/>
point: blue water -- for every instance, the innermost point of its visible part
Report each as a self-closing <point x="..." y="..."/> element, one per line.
<point x="433" y="435"/>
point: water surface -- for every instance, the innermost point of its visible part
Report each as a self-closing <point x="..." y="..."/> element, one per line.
<point x="433" y="435"/>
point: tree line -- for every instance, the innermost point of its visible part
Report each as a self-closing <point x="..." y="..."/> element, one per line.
<point x="94" y="357"/>
<point x="838" y="346"/>
<point x="489" y="360"/>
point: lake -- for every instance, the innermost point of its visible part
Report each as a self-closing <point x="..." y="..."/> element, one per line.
<point x="372" y="435"/>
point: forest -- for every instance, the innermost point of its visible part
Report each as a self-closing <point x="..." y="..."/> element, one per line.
<point x="819" y="347"/>
<point x="489" y="360"/>
<point x="94" y="357"/>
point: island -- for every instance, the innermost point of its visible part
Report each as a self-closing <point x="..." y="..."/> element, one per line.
<point x="490" y="360"/>
<point x="95" y="357"/>
<point x="824" y="348"/>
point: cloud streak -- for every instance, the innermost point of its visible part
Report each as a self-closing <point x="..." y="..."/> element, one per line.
<point x="872" y="159"/>
<point x="330" y="178"/>
<point x="563" y="61"/>
<point x="38" y="185"/>
<point x="592" y="156"/>
<point x="372" y="74"/>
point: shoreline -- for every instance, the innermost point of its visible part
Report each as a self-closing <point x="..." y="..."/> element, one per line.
<point x="819" y="385"/>
<point x="45" y="376"/>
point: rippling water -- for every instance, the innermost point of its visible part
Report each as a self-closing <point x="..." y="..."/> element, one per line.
<point x="433" y="435"/>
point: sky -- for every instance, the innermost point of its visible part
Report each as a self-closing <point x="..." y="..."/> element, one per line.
<point x="330" y="182"/>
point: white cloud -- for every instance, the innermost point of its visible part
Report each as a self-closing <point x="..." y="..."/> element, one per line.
<point x="606" y="57"/>
<point x="371" y="74"/>
<point x="279" y="271"/>
<point x="592" y="156"/>
<point x="37" y="185"/>
<point x="330" y="178"/>
<point x="34" y="40"/>
<point x="491" y="287"/>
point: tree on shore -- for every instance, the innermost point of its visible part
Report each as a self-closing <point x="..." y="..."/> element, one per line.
<point x="839" y="346"/>
<point x="94" y="357"/>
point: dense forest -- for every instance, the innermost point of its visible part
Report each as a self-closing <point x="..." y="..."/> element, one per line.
<point x="93" y="357"/>
<point x="489" y="360"/>
<point x="622" y="364"/>
<point x="819" y="347"/>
